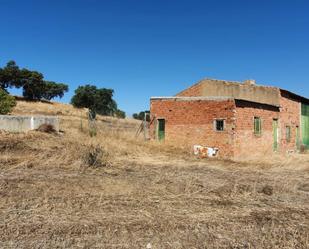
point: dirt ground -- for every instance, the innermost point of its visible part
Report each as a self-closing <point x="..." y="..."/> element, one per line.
<point x="141" y="195"/>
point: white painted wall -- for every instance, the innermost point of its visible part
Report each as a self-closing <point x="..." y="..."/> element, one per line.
<point x="26" y="123"/>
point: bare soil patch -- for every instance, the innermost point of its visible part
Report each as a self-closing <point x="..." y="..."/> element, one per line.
<point x="148" y="193"/>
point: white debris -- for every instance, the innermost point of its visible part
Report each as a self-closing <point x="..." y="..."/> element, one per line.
<point x="204" y="151"/>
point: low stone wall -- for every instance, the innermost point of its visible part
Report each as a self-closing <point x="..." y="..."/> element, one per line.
<point x="26" y="123"/>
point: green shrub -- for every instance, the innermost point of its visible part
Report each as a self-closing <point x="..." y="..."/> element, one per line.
<point x="141" y="115"/>
<point x="7" y="102"/>
<point x="120" y="114"/>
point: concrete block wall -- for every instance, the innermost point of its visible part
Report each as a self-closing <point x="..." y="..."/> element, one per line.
<point x="26" y="123"/>
<point x="189" y="123"/>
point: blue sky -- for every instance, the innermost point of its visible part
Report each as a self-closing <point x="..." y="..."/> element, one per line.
<point x="157" y="48"/>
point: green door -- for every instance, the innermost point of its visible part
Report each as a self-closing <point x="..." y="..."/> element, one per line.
<point x="275" y="134"/>
<point x="161" y="129"/>
<point x="297" y="138"/>
<point x="305" y="124"/>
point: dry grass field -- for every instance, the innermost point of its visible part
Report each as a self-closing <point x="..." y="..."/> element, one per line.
<point x="69" y="190"/>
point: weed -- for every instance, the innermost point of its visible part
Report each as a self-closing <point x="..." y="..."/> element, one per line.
<point x="96" y="156"/>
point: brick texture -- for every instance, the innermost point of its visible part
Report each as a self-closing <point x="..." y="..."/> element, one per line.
<point x="192" y="122"/>
<point x="290" y="115"/>
<point x="247" y="143"/>
<point x="193" y="91"/>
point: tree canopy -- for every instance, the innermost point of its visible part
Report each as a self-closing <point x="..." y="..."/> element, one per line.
<point x="32" y="82"/>
<point x="10" y="76"/>
<point x="35" y="87"/>
<point x="120" y="114"/>
<point x="98" y="100"/>
<point x="141" y="115"/>
<point x="53" y="89"/>
<point x="7" y="102"/>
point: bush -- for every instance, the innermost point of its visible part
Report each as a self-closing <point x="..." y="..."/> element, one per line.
<point x="120" y="114"/>
<point x="95" y="156"/>
<point x="141" y="115"/>
<point x="48" y="128"/>
<point x="7" y="102"/>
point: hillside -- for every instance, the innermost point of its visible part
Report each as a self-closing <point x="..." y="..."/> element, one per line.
<point x="69" y="190"/>
<point x="25" y="107"/>
<point x="68" y="112"/>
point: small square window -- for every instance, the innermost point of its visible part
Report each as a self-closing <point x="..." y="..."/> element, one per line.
<point x="288" y="133"/>
<point x="219" y="125"/>
<point x="257" y="126"/>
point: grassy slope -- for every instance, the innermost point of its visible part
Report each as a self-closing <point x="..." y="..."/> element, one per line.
<point x="149" y="193"/>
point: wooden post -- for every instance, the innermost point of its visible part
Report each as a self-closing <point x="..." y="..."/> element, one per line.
<point x="145" y="125"/>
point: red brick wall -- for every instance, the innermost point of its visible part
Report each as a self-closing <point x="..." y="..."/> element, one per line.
<point x="192" y="122"/>
<point x="290" y="112"/>
<point x="193" y="91"/>
<point x="248" y="144"/>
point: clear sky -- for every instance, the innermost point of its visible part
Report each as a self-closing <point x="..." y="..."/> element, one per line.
<point x="158" y="47"/>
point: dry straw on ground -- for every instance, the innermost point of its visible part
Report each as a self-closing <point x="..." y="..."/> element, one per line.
<point x="148" y="193"/>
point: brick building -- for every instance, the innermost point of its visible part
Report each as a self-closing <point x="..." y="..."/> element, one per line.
<point x="240" y="119"/>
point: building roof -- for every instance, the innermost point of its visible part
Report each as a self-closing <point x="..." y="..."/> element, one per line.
<point x="248" y="91"/>
<point x="201" y="98"/>
<point x="214" y="98"/>
<point x="295" y="96"/>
